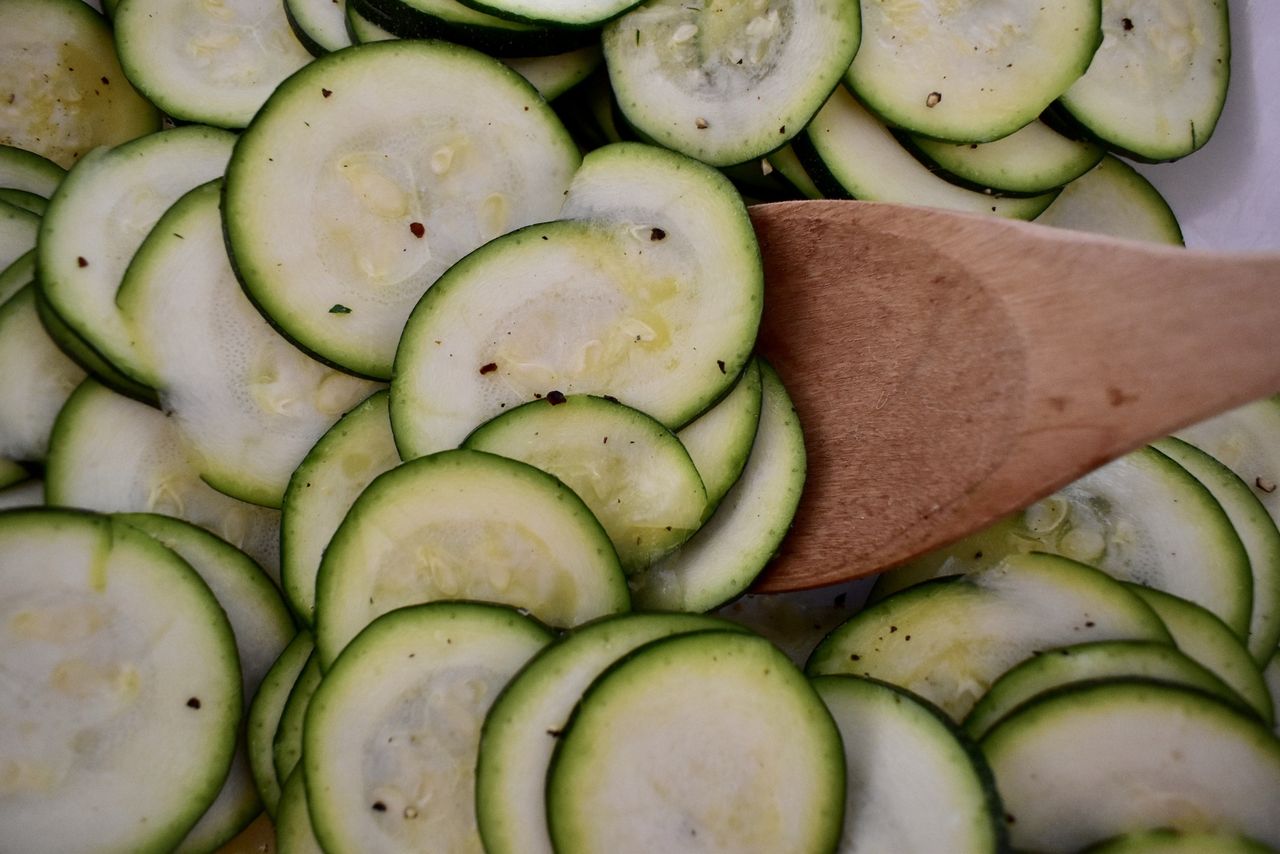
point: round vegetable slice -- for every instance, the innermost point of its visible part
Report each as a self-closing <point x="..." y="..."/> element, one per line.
<point x="63" y="85"/>
<point x="207" y="62"/>
<point x="264" y="717"/>
<point x="727" y="82"/>
<point x="1083" y="764"/>
<point x="572" y="307"/>
<point x="412" y="154"/>
<point x="465" y="524"/>
<point x="392" y="731"/>
<point x="115" y="653"/>
<point x="950" y="639"/>
<point x="515" y="750"/>
<point x="678" y="744"/>
<point x="914" y="782"/>
<point x="631" y="472"/>
<point x="971" y="72"/>
<point x="1115" y="200"/>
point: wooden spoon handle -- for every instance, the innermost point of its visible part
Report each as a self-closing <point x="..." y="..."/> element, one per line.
<point x="949" y="370"/>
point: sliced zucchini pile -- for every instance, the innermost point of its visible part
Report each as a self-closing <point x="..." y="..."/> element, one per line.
<point x="246" y="576"/>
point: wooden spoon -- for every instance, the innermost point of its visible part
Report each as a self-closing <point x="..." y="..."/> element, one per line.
<point x="949" y="369"/>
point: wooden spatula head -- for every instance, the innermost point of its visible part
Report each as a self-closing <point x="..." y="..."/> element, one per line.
<point x="949" y="369"/>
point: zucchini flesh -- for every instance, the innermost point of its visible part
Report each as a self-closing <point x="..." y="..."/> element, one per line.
<point x="1081" y="662"/>
<point x="1115" y="200"/>
<point x="413" y="153"/>
<point x="249" y="403"/>
<point x="633" y="473"/>
<point x="207" y="62"/>
<point x="1158" y="82"/>
<point x="115" y="653"/>
<point x="25" y="170"/>
<point x="720" y="440"/>
<point x="848" y="152"/>
<point x="465" y="524"/>
<point x="625" y="311"/>
<point x="914" y="782"/>
<point x="950" y="639"/>
<point x="320" y="25"/>
<point x="36" y="381"/>
<point x="727" y="82"/>
<point x="65" y="91"/>
<point x="1207" y="640"/>
<point x="675" y="746"/>
<point x="1032" y="159"/>
<point x="115" y="455"/>
<point x="264" y="717"/>
<point x="294" y="834"/>
<point x="392" y="732"/>
<point x="515" y="750"/>
<point x="727" y="553"/>
<point x="971" y="72"/>
<point x="1081" y="765"/>
<point x="326" y="483"/>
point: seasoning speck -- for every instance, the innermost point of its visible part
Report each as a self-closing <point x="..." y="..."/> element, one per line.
<point x="379" y="806"/>
<point x="555" y="398"/>
<point x="657" y="234"/>
<point x="193" y="703"/>
<point x="1265" y="486"/>
<point x="701" y="123"/>
<point x="81" y="262"/>
<point x="489" y="368"/>
<point x="339" y="308"/>
<point x="720" y="365"/>
<point x="326" y="92"/>
<point x="418" y="229"/>
<point x="934" y="99"/>
<point x="1127" y="23"/>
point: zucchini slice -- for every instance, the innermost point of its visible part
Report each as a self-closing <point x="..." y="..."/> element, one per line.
<point x="99" y="217"/>
<point x="727" y="553"/>
<point x="20" y="273"/>
<point x="286" y="745"/>
<point x="465" y="524"/>
<point x="1089" y="661"/>
<point x="264" y="717"/>
<point x="413" y="154"/>
<point x="1157" y="84"/>
<point x="1258" y="533"/>
<point x="393" y="730"/>
<point x="25" y="170"/>
<point x="1032" y="159"/>
<point x="971" y="72"/>
<point x="630" y="471"/>
<point x="262" y="628"/>
<point x="676" y="746"/>
<point x="452" y="21"/>
<point x="294" y="834"/>
<point x="248" y="402"/>
<point x="115" y="455"/>
<point x="1084" y="764"/>
<point x="554" y="75"/>
<point x="727" y="82"/>
<point x="849" y="153"/>
<point x="327" y="482"/>
<point x="632" y="312"/>
<point x="530" y="714"/>
<point x="719" y="441"/>
<point x="22" y="199"/>
<point x="60" y="53"/>
<point x="1115" y="200"/>
<point x="320" y="25"/>
<point x="18" y="230"/>
<point x="207" y="62"/>
<point x="950" y="639"/>
<point x="914" y="782"/>
<point x="1140" y="518"/>
<point x="27" y="492"/>
<point x="1173" y="842"/>
<point x="115" y="653"/>
<point x="36" y="381"/>
<point x="1208" y="641"/>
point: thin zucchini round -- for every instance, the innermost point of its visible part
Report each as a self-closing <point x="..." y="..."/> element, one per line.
<point x="413" y="154"/>
<point x="115" y="653"/>
<point x="264" y="717"/>
<point x="676" y="745"/>
<point x="1086" y="763"/>
<point x="392" y="731"/>
<point x="465" y="524"/>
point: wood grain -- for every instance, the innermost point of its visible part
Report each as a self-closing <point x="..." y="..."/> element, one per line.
<point x="949" y="369"/>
